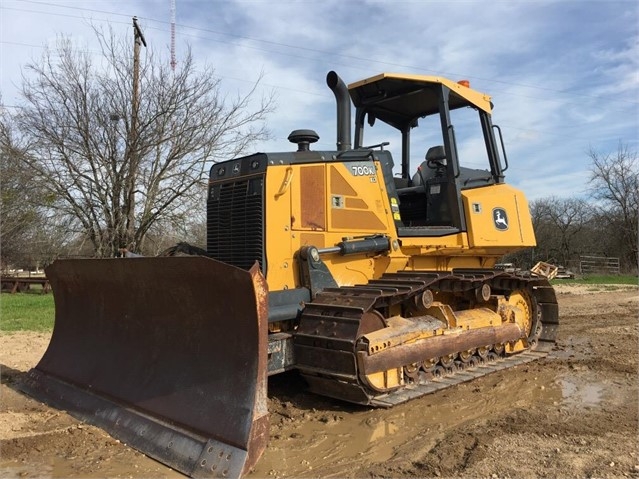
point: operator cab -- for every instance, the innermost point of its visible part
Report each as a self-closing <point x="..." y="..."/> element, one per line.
<point x="456" y="121"/>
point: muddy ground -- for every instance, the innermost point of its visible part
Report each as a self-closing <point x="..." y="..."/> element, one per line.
<point x="573" y="414"/>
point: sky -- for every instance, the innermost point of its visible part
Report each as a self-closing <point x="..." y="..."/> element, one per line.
<point x="563" y="75"/>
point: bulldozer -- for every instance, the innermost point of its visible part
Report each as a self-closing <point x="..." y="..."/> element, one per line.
<point x="376" y="283"/>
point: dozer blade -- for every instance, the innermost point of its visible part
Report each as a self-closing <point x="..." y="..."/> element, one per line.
<point x="169" y="355"/>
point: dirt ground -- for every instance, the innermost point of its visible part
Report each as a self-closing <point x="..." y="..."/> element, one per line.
<point x="573" y="414"/>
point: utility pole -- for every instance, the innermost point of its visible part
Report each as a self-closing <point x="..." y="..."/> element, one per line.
<point x="138" y="41"/>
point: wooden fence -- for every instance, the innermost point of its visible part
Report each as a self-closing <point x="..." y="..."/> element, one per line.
<point x="16" y="284"/>
<point x="598" y="264"/>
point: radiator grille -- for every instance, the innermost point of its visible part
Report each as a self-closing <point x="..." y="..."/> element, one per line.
<point x="235" y="222"/>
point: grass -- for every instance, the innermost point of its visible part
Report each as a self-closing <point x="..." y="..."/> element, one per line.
<point x="600" y="279"/>
<point x="33" y="311"/>
<point x="26" y="312"/>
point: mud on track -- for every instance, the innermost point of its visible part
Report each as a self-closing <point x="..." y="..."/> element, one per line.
<point x="574" y="414"/>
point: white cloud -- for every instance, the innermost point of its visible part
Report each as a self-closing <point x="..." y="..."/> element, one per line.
<point x="564" y="76"/>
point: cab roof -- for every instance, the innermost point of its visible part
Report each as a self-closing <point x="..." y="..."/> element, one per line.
<point x="398" y="99"/>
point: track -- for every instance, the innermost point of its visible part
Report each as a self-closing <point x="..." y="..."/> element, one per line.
<point x="327" y="340"/>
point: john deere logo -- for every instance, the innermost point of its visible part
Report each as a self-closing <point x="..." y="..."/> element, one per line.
<point x="500" y="219"/>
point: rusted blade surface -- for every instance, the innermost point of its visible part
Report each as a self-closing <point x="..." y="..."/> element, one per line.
<point x="167" y="354"/>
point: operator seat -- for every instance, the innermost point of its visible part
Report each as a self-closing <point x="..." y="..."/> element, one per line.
<point x="432" y="172"/>
<point x="424" y="203"/>
<point x="433" y="166"/>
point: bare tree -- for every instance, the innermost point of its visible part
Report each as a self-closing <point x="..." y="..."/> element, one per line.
<point x="31" y="233"/>
<point x="543" y="230"/>
<point x="615" y="181"/>
<point x="565" y="228"/>
<point x="568" y="217"/>
<point x="120" y="186"/>
<point x="19" y="200"/>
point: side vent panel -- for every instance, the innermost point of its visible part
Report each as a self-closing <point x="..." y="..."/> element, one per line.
<point x="235" y="222"/>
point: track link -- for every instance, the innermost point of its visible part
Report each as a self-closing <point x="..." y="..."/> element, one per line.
<point x="330" y="326"/>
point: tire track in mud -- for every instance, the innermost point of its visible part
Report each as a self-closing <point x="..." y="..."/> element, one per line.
<point x="571" y="414"/>
<point x="534" y="420"/>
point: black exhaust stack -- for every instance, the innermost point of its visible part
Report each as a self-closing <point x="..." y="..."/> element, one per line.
<point x="340" y="91"/>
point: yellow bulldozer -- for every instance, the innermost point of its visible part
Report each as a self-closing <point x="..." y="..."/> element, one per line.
<point x="377" y="284"/>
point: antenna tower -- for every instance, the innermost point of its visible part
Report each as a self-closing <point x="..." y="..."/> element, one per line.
<point x="173" y="62"/>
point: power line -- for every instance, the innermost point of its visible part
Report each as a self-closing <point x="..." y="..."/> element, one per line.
<point x="4" y="7"/>
<point x="349" y="57"/>
<point x="232" y="43"/>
